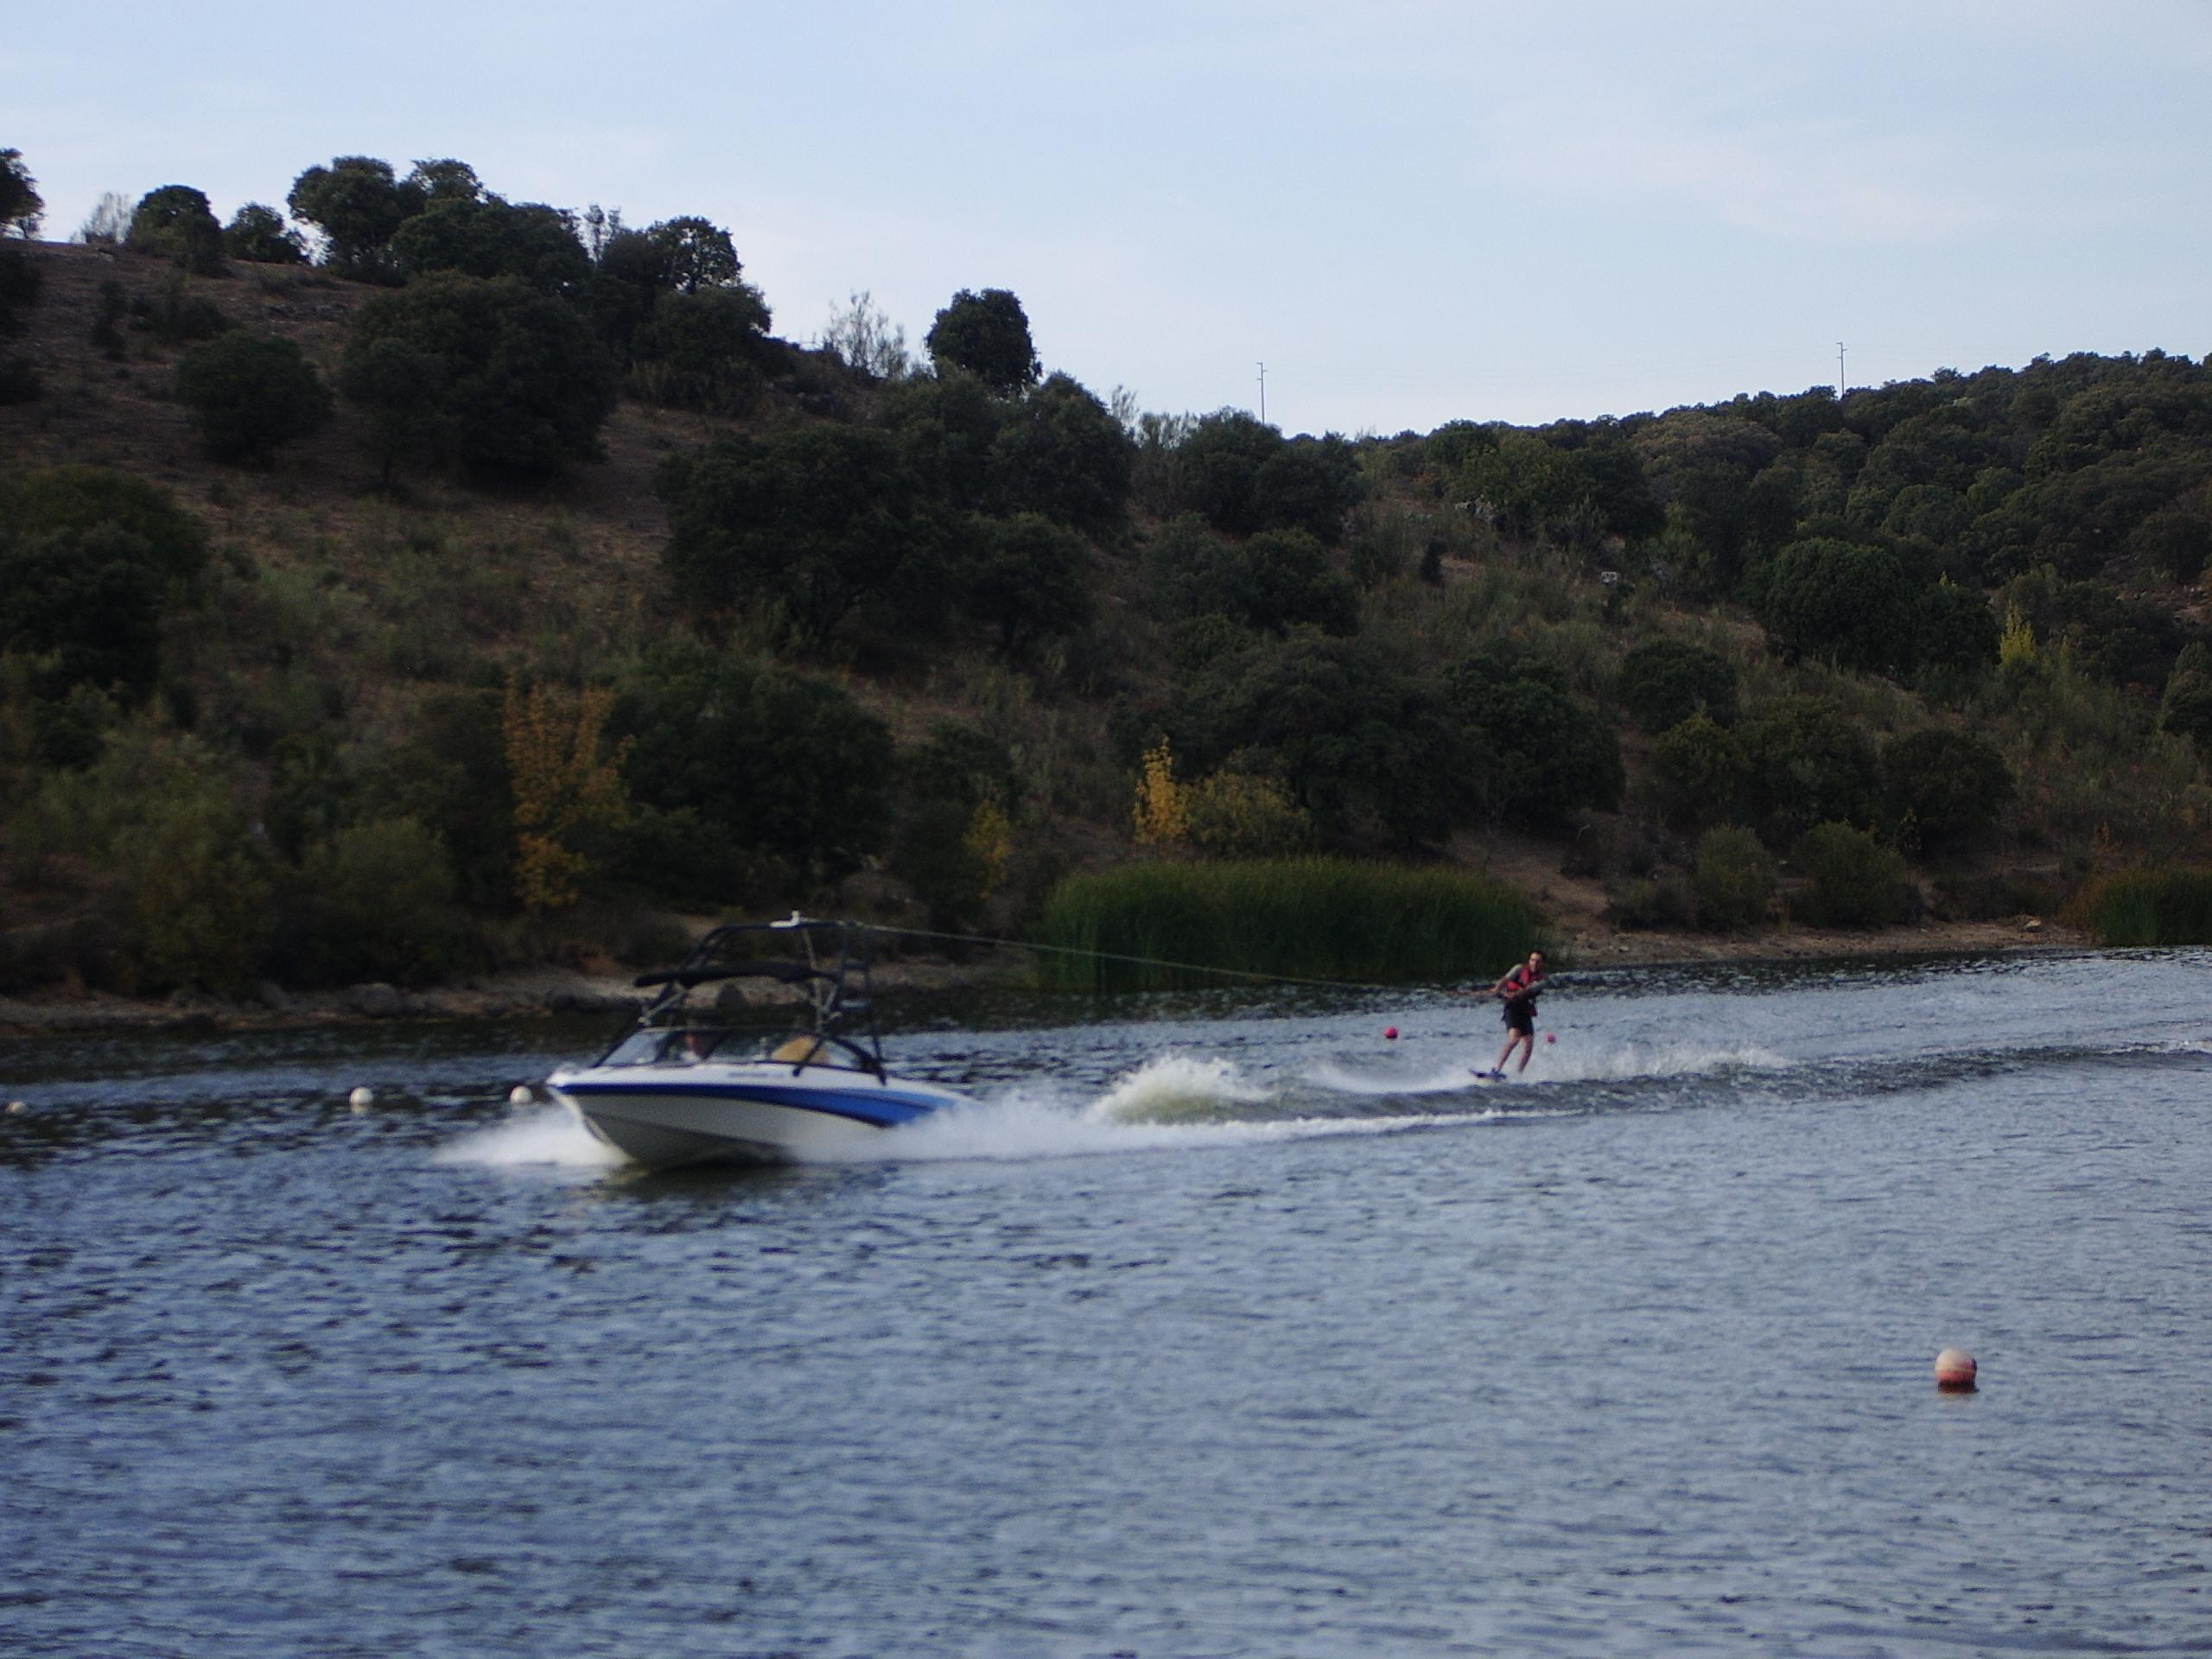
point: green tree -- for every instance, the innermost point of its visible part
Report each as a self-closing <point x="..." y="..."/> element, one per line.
<point x="444" y="180"/>
<point x="250" y="394"/>
<point x="1061" y="453"/>
<point x="374" y="901"/>
<point x="1699" y="774"/>
<point x="357" y="203"/>
<point x="817" y="519"/>
<point x="22" y="208"/>
<point x="1276" y="582"/>
<point x="258" y="235"/>
<point x="89" y="562"/>
<point x="521" y="387"/>
<point x="1949" y="787"/>
<point x="766" y="762"/>
<point x="1520" y="481"/>
<point x="1362" y="746"/>
<point x="946" y="426"/>
<point x="1852" y="880"/>
<point x="1842" y="602"/>
<point x="1732" y="878"/>
<point x="1548" y="756"/>
<point x="1664" y="682"/>
<point x="175" y="223"/>
<point x="1807" y="764"/>
<point x="695" y="254"/>
<point x="2186" y="707"/>
<point x="700" y="350"/>
<point x="1024" y="575"/>
<point x="1954" y="630"/>
<point x="987" y="335"/>
<point x="1217" y="466"/>
<point x="490" y="239"/>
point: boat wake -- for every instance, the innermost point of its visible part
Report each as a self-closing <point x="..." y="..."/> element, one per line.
<point x="1632" y="1063"/>
<point x="535" y="1135"/>
<point x="1179" y="1100"/>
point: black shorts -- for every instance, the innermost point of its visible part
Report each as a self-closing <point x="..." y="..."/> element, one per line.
<point x="1520" y="1018"/>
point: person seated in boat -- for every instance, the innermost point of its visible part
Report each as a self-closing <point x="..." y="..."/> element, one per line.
<point x="1518" y="988"/>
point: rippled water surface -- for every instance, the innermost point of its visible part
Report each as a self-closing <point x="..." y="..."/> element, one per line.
<point x="1219" y="1327"/>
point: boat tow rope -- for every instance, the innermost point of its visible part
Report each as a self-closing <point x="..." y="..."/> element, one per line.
<point x="1141" y="961"/>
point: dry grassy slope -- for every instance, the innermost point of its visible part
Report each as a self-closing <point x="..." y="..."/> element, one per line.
<point x="531" y="575"/>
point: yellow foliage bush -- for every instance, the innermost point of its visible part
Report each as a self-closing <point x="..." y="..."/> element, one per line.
<point x="1159" y="811"/>
<point x="563" y="788"/>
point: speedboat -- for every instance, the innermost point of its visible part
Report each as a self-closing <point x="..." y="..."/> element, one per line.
<point x="699" y="1079"/>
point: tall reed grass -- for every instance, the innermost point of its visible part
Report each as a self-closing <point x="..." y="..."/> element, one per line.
<point x="1294" y="918"/>
<point x="2153" y="906"/>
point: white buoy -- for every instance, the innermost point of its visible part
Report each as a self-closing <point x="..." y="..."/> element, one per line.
<point x="361" y="1099"/>
<point x="15" y="1106"/>
<point x="520" y="1096"/>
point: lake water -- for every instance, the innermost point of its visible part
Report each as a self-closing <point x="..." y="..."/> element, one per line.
<point x="1222" y="1326"/>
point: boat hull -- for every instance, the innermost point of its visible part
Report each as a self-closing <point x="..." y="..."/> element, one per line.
<point x="744" y="1114"/>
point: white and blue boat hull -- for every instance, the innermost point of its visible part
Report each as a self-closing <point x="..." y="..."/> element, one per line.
<point x="755" y="1112"/>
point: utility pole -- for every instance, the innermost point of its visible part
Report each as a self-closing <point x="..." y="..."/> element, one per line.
<point x="1263" y="394"/>
<point x="1839" y="370"/>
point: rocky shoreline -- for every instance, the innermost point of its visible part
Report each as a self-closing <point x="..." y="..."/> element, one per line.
<point x="546" y="992"/>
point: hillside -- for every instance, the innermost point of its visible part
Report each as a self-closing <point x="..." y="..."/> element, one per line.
<point x="1567" y="658"/>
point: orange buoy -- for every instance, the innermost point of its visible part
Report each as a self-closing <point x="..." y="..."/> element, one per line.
<point x="1954" y="1369"/>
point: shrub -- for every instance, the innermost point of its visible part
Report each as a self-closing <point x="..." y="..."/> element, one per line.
<point x="1806" y="764"/>
<point x="1951" y="787"/>
<point x="376" y="902"/>
<point x="1276" y="582"/>
<point x="258" y="235"/>
<point x="87" y="561"/>
<point x="1024" y="575"/>
<point x="1060" y="452"/>
<point x="1547" y="756"/>
<point x="816" y="520"/>
<point x="776" y="763"/>
<point x="175" y="222"/>
<point x="1855" y="881"/>
<point x="1658" y="903"/>
<point x="987" y="334"/>
<point x="178" y="314"/>
<point x="163" y="815"/>
<point x="250" y="394"/>
<point x="940" y="855"/>
<point x="2166" y="906"/>
<point x="1699" y="774"/>
<point x="1310" y="918"/>
<point x="20" y="283"/>
<point x="1664" y="682"/>
<point x="486" y="376"/>
<point x="1239" y="815"/>
<point x="700" y="351"/>
<point x="1840" y="602"/>
<point x="1733" y="878"/>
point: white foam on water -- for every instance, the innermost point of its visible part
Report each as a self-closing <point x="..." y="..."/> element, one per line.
<point x="543" y="1134"/>
<point x="1178" y="1087"/>
<point x="1024" y="1127"/>
<point x="1554" y="1063"/>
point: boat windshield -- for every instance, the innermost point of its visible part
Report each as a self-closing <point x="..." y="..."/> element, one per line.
<point x="690" y="1045"/>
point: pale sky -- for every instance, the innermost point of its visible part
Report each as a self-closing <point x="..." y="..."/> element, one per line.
<point x="1412" y="211"/>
